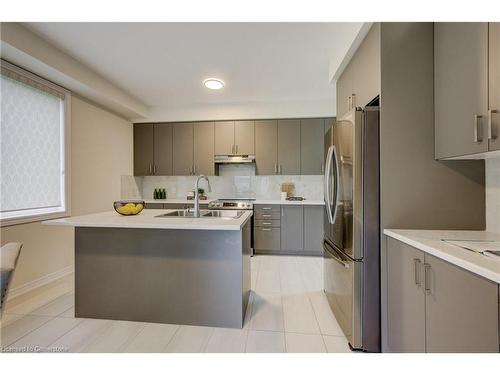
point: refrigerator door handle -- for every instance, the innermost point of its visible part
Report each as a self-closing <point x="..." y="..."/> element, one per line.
<point x="327" y="184"/>
<point x="334" y="255"/>
<point x="337" y="184"/>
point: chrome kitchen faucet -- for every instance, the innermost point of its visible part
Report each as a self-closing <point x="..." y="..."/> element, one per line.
<point x="197" y="195"/>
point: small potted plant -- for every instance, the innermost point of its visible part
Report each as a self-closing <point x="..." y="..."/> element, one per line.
<point x="201" y="193"/>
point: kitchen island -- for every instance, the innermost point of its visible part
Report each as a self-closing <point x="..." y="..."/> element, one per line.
<point x="193" y="271"/>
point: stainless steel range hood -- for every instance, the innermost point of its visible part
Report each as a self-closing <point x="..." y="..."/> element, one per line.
<point x="234" y="159"/>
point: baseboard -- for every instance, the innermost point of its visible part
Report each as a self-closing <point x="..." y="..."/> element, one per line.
<point x="38" y="283"/>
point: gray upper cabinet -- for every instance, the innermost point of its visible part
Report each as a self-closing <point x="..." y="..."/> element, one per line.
<point x="266" y="147"/>
<point x="163" y="153"/>
<point x="224" y="138"/>
<point x="244" y="137"/>
<point x="289" y="147"/>
<point x="434" y="306"/>
<point x="494" y="84"/>
<point x="183" y="134"/>
<point x="461" y="310"/>
<point x="292" y="228"/>
<point x="405" y="298"/>
<point x="311" y="146"/>
<point x="460" y="88"/>
<point x="359" y="83"/>
<point x="143" y="149"/>
<point x="313" y="229"/>
<point x="234" y="138"/>
<point x="203" y="148"/>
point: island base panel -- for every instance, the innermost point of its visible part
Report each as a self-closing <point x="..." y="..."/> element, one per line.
<point x="192" y="277"/>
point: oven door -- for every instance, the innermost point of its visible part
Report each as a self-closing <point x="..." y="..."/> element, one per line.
<point x="342" y="278"/>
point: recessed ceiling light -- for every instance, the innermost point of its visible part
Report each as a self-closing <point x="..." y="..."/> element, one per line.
<point x="213" y="83"/>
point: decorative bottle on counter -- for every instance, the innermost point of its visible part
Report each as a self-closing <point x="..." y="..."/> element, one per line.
<point x="164" y="194"/>
<point x="155" y="194"/>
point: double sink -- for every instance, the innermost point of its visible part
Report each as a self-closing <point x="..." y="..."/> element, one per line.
<point x="226" y="214"/>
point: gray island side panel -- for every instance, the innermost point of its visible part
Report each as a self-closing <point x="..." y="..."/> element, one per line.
<point x="192" y="277"/>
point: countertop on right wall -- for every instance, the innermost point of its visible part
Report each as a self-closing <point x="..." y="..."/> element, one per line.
<point x="431" y="242"/>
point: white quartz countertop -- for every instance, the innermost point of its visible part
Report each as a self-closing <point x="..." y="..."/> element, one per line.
<point x="256" y="201"/>
<point x="431" y="242"/>
<point x="148" y="219"/>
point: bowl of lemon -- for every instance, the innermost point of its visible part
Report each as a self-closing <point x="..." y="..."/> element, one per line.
<point x="129" y="207"/>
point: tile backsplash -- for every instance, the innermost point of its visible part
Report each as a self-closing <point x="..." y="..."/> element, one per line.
<point x="493" y="195"/>
<point x="233" y="181"/>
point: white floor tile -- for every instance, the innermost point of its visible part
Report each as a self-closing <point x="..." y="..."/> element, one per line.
<point x="82" y="335"/>
<point x="21" y="327"/>
<point x="115" y="337"/>
<point x="328" y="325"/>
<point x="298" y="315"/>
<point x="190" y="339"/>
<point x="268" y="281"/>
<point x="227" y="340"/>
<point x="69" y="313"/>
<point x="153" y="338"/>
<point x="267" y="312"/>
<point x="265" y="342"/>
<point x="303" y="343"/>
<point x="56" y="307"/>
<point x="45" y="335"/>
<point x="336" y="344"/>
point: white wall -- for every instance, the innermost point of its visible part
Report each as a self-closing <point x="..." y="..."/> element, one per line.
<point x="101" y="151"/>
<point x="493" y="195"/>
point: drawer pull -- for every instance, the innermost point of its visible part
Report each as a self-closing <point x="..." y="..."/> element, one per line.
<point x="267" y="215"/>
<point x="266" y="229"/>
<point x="267" y="208"/>
<point x="267" y="223"/>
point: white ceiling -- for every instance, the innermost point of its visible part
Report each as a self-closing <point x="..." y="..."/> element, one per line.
<point x="164" y="64"/>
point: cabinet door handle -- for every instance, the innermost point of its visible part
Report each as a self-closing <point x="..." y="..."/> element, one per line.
<point x="353" y="101"/>
<point x="275" y="168"/>
<point x="349" y="103"/>
<point x="478" y="129"/>
<point x="194" y="169"/>
<point x="492" y="128"/>
<point x="281" y="169"/>
<point x="416" y="270"/>
<point x="232" y="149"/>
<point x="150" y="169"/>
<point x="427" y="287"/>
<point x="266" y="229"/>
<point x="236" y="146"/>
<point x="154" y="168"/>
<point x="267" y="223"/>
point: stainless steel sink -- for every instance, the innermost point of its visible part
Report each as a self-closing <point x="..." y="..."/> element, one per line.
<point x="181" y="213"/>
<point x="227" y="214"/>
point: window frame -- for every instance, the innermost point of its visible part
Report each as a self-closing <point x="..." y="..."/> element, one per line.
<point x="40" y="214"/>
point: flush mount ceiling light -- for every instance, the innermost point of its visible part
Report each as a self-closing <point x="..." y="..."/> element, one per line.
<point x="213" y="83"/>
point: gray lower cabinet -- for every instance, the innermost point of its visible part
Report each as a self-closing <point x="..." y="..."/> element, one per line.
<point x="289" y="229"/>
<point x="266" y="147"/>
<point x="183" y="149"/>
<point x="312" y="146"/>
<point x="434" y="306"/>
<point x="292" y="228"/>
<point x="163" y="138"/>
<point x="289" y="147"/>
<point x="405" y="298"/>
<point x="143" y="149"/>
<point x="494" y="84"/>
<point x="203" y="153"/>
<point x="461" y="310"/>
<point x="460" y="88"/>
<point x="313" y="229"/>
<point x="154" y="206"/>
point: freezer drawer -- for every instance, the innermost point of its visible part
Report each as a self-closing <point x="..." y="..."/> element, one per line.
<point x="342" y="278"/>
<point x="267" y="238"/>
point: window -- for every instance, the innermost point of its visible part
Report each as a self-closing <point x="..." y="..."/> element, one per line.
<point x="34" y="147"/>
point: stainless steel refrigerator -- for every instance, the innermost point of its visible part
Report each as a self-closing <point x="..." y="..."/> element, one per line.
<point x="352" y="226"/>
